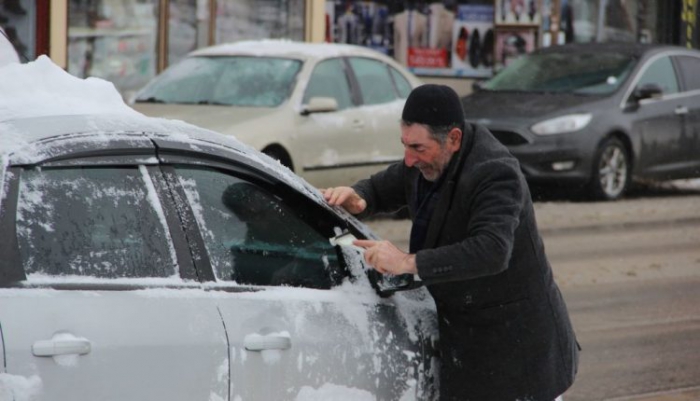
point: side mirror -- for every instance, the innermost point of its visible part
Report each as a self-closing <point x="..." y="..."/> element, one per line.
<point x="320" y="105"/>
<point x="647" y="91"/>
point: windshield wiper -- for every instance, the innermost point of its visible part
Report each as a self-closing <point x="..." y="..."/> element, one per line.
<point x="213" y="103"/>
<point x="151" y="99"/>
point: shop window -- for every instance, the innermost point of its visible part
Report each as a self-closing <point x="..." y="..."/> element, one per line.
<point x="17" y="20"/>
<point x="259" y="19"/>
<point x="114" y="40"/>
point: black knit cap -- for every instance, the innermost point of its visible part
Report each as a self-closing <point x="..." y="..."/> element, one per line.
<point x="433" y="105"/>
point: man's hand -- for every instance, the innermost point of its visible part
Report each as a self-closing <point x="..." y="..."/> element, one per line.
<point x="345" y="197"/>
<point x="386" y="258"/>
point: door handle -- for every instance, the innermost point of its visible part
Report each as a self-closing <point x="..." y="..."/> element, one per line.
<point x="262" y="342"/>
<point x="61" y="347"/>
<point x="681" y="110"/>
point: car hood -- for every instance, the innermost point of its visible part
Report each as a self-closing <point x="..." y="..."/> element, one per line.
<point x="515" y="105"/>
<point x="215" y="118"/>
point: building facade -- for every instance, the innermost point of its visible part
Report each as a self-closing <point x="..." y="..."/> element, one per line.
<point x="129" y="41"/>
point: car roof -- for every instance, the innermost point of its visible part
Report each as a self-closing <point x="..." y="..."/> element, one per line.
<point x="44" y="139"/>
<point x="286" y="48"/>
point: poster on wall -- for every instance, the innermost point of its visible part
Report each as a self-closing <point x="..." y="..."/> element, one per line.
<point x="517" y="12"/>
<point x="422" y="36"/>
<point x="513" y="42"/>
<point x="473" y="35"/>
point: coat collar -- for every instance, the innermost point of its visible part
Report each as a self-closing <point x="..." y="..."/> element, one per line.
<point x="447" y="191"/>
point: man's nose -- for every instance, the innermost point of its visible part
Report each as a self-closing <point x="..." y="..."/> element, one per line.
<point x="408" y="158"/>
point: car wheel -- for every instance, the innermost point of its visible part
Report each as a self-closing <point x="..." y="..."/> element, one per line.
<point x="611" y="170"/>
<point x="278" y="153"/>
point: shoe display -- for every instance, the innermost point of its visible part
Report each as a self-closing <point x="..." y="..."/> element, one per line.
<point x="487" y="49"/>
<point x="475" y="49"/>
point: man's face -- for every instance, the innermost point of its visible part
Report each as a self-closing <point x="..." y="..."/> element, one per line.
<point x="426" y="153"/>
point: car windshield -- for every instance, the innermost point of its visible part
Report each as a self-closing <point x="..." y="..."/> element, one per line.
<point x="579" y="73"/>
<point x="234" y="81"/>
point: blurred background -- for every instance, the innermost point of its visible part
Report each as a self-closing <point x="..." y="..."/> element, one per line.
<point x="453" y="42"/>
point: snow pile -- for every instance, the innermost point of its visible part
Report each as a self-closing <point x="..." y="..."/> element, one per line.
<point x="19" y="388"/>
<point x="41" y="88"/>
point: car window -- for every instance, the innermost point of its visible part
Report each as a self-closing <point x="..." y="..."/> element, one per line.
<point x="402" y="84"/>
<point x="329" y="80"/>
<point x="254" y="237"/>
<point x="98" y="222"/>
<point x="235" y="81"/>
<point x="662" y="73"/>
<point x="375" y="82"/>
<point x="689" y="67"/>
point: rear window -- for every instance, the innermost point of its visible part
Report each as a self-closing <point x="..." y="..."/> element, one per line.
<point x="98" y="222"/>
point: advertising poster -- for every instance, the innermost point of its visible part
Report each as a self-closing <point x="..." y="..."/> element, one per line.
<point x="473" y="35"/>
<point x="518" y="12"/>
<point x="512" y="43"/>
<point x="423" y="36"/>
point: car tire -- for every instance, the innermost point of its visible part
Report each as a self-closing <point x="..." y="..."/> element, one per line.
<point x="612" y="170"/>
<point x="278" y="153"/>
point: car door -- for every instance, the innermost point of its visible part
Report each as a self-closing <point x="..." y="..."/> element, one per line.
<point x="659" y="122"/>
<point x="104" y="312"/>
<point x="384" y="91"/>
<point x="301" y="317"/>
<point x="690" y="140"/>
<point x="333" y="145"/>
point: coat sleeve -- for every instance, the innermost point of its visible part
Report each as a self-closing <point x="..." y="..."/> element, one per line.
<point x="487" y="232"/>
<point x="384" y="191"/>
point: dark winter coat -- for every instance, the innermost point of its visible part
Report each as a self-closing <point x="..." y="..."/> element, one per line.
<point x="505" y="332"/>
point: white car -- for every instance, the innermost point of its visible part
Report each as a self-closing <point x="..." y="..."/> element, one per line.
<point x="149" y="259"/>
<point x="329" y="112"/>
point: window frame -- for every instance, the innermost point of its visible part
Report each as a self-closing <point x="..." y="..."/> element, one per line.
<point x="12" y="272"/>
<point x="313" y="214"/>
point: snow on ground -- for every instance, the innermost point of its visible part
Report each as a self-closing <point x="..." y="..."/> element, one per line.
<point x="19" y="388"/>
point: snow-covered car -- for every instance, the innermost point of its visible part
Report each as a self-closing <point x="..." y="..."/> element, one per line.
<point x="329" y="112"/>
<point x="149" y="259"/>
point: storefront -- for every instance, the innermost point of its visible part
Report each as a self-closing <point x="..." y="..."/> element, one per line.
<point x="128" y="41"/>
<point x="474" y="38"/>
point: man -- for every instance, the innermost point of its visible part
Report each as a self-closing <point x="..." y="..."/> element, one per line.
<point x="505" y="333"/>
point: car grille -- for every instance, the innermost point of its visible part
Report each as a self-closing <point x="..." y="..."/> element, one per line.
<point x="509" y="138"/>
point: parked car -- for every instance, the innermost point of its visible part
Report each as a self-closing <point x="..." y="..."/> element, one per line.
<point x="597" y="115"/>
<point x="149" y="259"/>
<point x="329" y="112"/>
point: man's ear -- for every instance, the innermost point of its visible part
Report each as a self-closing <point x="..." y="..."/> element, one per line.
<point x="454" y="139"/>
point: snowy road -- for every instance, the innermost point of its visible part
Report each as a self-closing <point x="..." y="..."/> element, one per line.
<point x="630" y="272"/>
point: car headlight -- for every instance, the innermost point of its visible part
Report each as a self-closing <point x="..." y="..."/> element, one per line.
<point x="562" y="125"/>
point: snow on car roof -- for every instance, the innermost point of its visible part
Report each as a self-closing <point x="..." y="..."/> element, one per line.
<point x="285" y="48"/>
